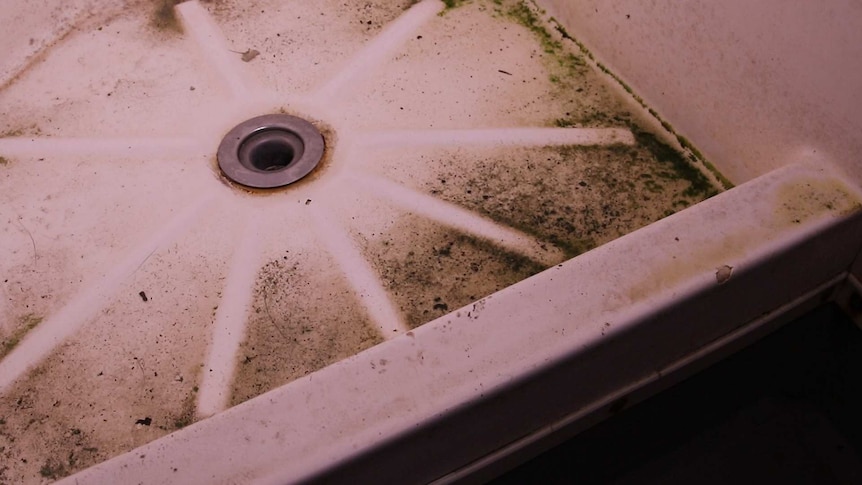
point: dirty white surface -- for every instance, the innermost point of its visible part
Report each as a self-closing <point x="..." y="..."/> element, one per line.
<point x="588" y="302"/>
<point x="141" y="292"/>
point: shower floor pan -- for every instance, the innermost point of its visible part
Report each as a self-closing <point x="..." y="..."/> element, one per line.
<point x="500" y="245"/>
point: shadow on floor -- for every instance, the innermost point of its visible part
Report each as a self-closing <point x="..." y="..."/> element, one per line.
<point x="785" y="410"/>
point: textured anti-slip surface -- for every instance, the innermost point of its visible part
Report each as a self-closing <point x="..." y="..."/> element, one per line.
<point x="468" y="147"/>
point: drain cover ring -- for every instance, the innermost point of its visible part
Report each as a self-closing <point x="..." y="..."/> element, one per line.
<point x="270" y="151"/>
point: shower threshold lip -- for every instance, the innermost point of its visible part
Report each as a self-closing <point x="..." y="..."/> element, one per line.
<point x="462" y="396"/>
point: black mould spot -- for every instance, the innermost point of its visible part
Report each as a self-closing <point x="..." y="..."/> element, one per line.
<point x="164" y="16"/>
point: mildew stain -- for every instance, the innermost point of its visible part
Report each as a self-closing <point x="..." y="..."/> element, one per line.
<point x="25" y="324"/>
<point x="374" y="15"/>
<point x="580" y="92"/>
<point x="29" y="423"/>
<point x="164" y="16"/>
<point x="61" y="32"/>
<point x="304" y="317"/>
<point x="50" y="428"/>
<point x="807" y="199"/>
<point x="440" y="270"/>
<point x="30" y="290"/>
<point x="574" y="197"/>
<point x="701" y="260"/>
<point x="186" y="415"/>
<point x="29" y="130"/>
<point x="450" y="5"/>
<point x="112" y="386"/>
<point x="796" y="202"/>
<point x="366" y="17"/>
<point x="571" y="70"/>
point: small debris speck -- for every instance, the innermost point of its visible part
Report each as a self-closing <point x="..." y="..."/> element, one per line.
<point x="722" y="274"/>
<point x="249" y="55"/>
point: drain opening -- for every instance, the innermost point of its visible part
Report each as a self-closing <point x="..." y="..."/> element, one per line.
<point x="270" y="151"/>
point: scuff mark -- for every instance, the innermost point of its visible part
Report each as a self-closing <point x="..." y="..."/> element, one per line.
<point x="723" y="274"/>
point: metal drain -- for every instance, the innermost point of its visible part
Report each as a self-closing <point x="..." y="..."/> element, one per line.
<point x="270" y="151"/>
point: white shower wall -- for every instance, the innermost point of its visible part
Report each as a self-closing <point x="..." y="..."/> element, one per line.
<point x="755" y="85"/>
